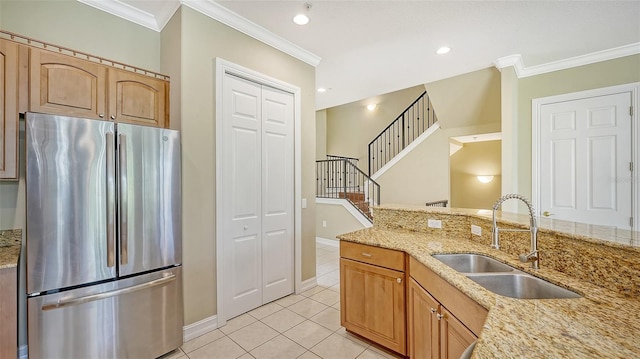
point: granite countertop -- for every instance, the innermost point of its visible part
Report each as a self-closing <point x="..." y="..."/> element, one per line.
<point x="10" y="243"/>
<point x="602" y="324"/>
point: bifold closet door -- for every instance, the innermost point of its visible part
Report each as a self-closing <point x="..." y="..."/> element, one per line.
<point x="257" y="176"/>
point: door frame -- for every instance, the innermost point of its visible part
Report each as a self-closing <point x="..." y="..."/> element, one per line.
<point x="536" y="112"/>
<point x="223" y="67"/>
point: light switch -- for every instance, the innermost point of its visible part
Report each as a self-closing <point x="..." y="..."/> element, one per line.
<point x="477" y="230"/>
<point x="434" y="223"/>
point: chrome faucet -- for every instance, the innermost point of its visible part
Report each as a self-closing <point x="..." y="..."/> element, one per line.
<point x="533" y="257"/>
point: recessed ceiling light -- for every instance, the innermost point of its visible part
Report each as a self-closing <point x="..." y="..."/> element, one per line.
<point x="443" y="50"/>
<point x="322" y="89"/>
<point x="301" y="19"/>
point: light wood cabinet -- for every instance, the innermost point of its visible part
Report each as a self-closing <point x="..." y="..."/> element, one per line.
<point x="65" y="85"/>
<point x="9" y="70"/>
<point x="137" y="99"/>
<point x="443" y="321"/>
<point x="9" y="313"/>
<point x="372" y="296"/>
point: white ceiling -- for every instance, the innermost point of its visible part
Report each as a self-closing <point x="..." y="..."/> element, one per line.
<point x="368" y="48"/>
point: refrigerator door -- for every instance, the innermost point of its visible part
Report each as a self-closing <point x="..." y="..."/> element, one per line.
<point x="149" y="198"/>
<point x="138" y="317"/>
<point x="70" y="201"/>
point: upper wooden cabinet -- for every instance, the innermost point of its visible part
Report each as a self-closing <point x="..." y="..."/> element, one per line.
<point x="137" y="99"/>
<point x="9" y="69"/>
<point x="65" y="85"/>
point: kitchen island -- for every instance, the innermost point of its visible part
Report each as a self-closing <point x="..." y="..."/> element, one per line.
<point x="604" y="323"/>
<point x="10" y="244"/>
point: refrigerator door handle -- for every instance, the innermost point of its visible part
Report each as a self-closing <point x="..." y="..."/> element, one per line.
<point x="111" y="200"/>
<point x="90" y="298"/>
<point x="124" y="227"/>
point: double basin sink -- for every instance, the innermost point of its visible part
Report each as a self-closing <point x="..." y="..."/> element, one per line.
<point x="503" y="279"/>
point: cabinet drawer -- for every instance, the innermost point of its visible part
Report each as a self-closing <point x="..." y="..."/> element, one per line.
<point x="382" y="257"/>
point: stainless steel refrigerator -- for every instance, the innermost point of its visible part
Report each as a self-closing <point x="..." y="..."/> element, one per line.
<point x="103" y="239"/>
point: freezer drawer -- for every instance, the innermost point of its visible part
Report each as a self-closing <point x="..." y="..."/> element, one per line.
<point x="138" y="317"/>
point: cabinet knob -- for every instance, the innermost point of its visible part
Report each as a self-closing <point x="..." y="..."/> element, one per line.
<point x="101" y="115"/>
<point x="432" y="310"/>
<point x="440" y="316"/>
<point x="113" y="117"/>
<point x="245" y="227"/>
<point x="399" y="280"/>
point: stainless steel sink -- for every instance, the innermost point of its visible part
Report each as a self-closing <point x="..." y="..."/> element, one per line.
<point x="522" y="286"/>
<point x="472" y="263"/>
<point x="503" y="279"/>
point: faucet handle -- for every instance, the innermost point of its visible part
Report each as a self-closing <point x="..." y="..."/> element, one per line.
<point x="528" y="258"/>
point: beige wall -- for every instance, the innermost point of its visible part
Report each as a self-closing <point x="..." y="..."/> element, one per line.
<point x="467" y="100"/>
<point x="602" y="74"/>
<point x="351" y="127"/>
<point x="171" y="64"/>
<point x="203" y="40"/>
<point x="81" y="27"/>
<point x="337" y="218"/>
<point x="321" y="135"/>
<point x="472" y="160"/>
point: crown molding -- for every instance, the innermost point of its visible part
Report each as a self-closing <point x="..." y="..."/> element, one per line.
<point x="233" y="20"/>
<point x="135" y="15"/>
<point x="604" y="55"/>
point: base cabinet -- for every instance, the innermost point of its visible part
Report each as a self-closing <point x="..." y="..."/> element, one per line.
<point x="442" y="321"/>
<point x="372" y="297"/>
<point x="9" y="313"/>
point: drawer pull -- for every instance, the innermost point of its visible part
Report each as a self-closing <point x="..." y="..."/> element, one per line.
<point x="365" y="254"/>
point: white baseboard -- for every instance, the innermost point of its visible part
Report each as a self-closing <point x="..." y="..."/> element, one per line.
<point x="23" y="352"/>
<point x="199" y="328"/>
<point x="308" y="284"/>
<point x="328" y="242"/>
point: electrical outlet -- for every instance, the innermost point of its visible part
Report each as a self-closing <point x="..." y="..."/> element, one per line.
<point x="434" y="223"/>
<point x="477" y="230"/>
<point x="324" y="223"/>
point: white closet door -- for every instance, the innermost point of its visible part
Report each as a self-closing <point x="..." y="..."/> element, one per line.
<point x="585" y="151"/>
<point x="277" y="193"/>
<point x="242" y="174"/>
<point x="257" y="182"/>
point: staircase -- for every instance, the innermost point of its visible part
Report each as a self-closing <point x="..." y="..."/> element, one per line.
<point x="339" y="177"/>
<point x="410" y="124"/>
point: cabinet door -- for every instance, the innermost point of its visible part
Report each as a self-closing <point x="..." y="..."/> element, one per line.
<point x="137" y="99"/>
<point x="424" y="327"/>
<point x="64" y="85"/>
<point x="8" y="110"/>
<point x="372" y="303"/>
<point x="454" y="336"/>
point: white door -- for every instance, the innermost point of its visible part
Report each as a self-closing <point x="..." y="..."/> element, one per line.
<point x="257" y="182"/>
<point x="585" y="156"/>
<point x="277" y="194"/>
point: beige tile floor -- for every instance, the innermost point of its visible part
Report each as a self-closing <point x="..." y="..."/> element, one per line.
<point x="304" y="326"/>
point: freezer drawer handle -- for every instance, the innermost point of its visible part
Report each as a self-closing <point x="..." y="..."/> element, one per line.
<point x="90" y="298"/>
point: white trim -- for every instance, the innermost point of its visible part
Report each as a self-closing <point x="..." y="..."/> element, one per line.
<point x="307" y="284"/>
<point x="406" y="150"/>
<point x="23" y="352"/>
<point x="222" y="67"/>
<point x="135" y="15"/>
<point x="233" y="20"/>
<point x="328" y="242"/>
<point x="349" y="207"/>
<point x="199" y="328"/>
<point x="536" y="109"/>
<point x="604" y="55"/>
